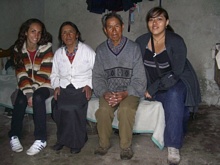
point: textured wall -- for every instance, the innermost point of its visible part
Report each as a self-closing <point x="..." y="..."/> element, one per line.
<point x="196" y="21"/>
<point x="13" y="13"/>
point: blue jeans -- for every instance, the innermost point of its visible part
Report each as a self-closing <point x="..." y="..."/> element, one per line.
<point x="176" y="114"/>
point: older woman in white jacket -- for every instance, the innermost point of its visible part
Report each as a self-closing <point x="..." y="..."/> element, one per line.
<point x="72" y="80"/>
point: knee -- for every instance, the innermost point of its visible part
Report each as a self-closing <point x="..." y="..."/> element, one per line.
<point x="175" y="97"/>
<point x="37" y="98"/>
<point x="128" y="106"/>
<point x="177" y="92"/>
<point x="104" y="113"/>
<point x="125" y="112"/>
<point x="21" y="100"/>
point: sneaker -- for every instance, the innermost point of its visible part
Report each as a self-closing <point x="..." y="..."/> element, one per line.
<point x="36" y="147"/>
<point x="15" y="144"/>
<point x="173" y="155"/>
<point x="101" y="151"/>
<point x="126" y="153"/>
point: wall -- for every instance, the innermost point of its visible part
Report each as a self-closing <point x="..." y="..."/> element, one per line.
<point x="196" y="21"/>
<point x="14" y="14"/>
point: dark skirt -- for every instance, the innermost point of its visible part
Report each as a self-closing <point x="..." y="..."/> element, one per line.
<point x="70" y="117"/>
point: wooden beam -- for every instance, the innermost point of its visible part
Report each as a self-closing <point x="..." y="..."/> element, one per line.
<point x="5" y="53"/>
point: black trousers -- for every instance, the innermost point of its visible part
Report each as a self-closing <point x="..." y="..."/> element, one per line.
<point x="39" y="113"/>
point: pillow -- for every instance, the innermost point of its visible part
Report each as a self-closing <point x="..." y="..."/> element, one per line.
<point x="7" y="66"/>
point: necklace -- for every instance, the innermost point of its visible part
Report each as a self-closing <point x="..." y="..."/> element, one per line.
<point x="157" y="41"/>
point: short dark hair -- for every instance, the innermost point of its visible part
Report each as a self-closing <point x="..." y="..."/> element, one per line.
<point x="111" y="15"/>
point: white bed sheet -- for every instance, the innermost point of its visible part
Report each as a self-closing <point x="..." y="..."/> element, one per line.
<point x="7" y="86"/>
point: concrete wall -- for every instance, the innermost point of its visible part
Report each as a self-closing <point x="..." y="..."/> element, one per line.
<point x="197" y="21"/>
<point x="13" y="14"/>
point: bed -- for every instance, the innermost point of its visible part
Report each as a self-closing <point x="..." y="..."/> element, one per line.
<point x="149" y="117"/>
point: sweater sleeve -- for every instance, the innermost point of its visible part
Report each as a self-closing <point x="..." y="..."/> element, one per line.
<point x="177" y="53"/>
<point x="44" y="63"/>
<point x="24" y="82"/>
<point x="55" y="78"/>
<point x="99" y="79"/>
<point x="138" y="83"/>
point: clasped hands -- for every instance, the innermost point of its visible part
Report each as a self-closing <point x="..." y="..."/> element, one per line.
<point x="114" y="98"/>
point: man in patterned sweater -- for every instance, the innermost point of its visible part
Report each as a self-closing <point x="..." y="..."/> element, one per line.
<point x="119" y="81"/>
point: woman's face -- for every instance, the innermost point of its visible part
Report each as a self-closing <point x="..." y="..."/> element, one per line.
<point x="114" y="30"/>
<point x="157" y="25"/>
<point x="34" y="34"/>
<point x="69" y="35"/>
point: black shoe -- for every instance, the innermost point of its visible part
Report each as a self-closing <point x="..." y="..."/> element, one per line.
<point x="57" y="147"/>
<point x="101" y="151"/>
<point x="8" y="112"/>
<point x="74" y="151"/>
<point x="126" y="154"/>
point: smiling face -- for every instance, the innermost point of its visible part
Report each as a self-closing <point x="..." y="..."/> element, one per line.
<point x="113" y="30"/>
<point x="157" y="24"/>
<point x="33" y="34"/>
<point x="69" y="35"/>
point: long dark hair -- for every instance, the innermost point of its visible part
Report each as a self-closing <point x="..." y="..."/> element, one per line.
<point x="74" y="27"/>
<point x="45" y="38"/>
<point x="156" y="11"/>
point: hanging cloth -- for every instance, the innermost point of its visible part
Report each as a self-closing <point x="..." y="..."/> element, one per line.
<point x="96" y="6"/>
<point x="99" y="6"/>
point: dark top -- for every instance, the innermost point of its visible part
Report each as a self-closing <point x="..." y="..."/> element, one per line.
<point x="181" y="68"/>
<point x="163" y="63"/>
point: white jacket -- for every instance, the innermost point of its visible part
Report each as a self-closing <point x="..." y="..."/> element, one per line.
<point x="79" y="73"/>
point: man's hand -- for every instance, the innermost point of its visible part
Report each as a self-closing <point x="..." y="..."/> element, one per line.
<point x="88" y="91"/>
<point x="107" y="96"/>
<point x="114" y="98"/>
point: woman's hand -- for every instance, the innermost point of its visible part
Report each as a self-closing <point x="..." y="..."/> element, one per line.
<point x="30" y="102"/>
<point x="88" y="91"/>
<point x="56" y="92"/>
<point x="147" y="95"/>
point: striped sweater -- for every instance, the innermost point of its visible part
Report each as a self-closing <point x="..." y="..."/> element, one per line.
<point x="33" y="76"/>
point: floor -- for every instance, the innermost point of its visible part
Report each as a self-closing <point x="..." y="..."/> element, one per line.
<point x="201" y="146"/>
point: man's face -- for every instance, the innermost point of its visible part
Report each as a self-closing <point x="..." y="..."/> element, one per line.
<point x="114" y="30"/>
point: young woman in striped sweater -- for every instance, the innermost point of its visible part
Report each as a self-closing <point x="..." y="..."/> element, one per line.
<point x="33" y="63"/>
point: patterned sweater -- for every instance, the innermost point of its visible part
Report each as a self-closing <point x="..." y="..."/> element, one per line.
<point x="33" y="76"/>
<point x="124" y="72"/>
